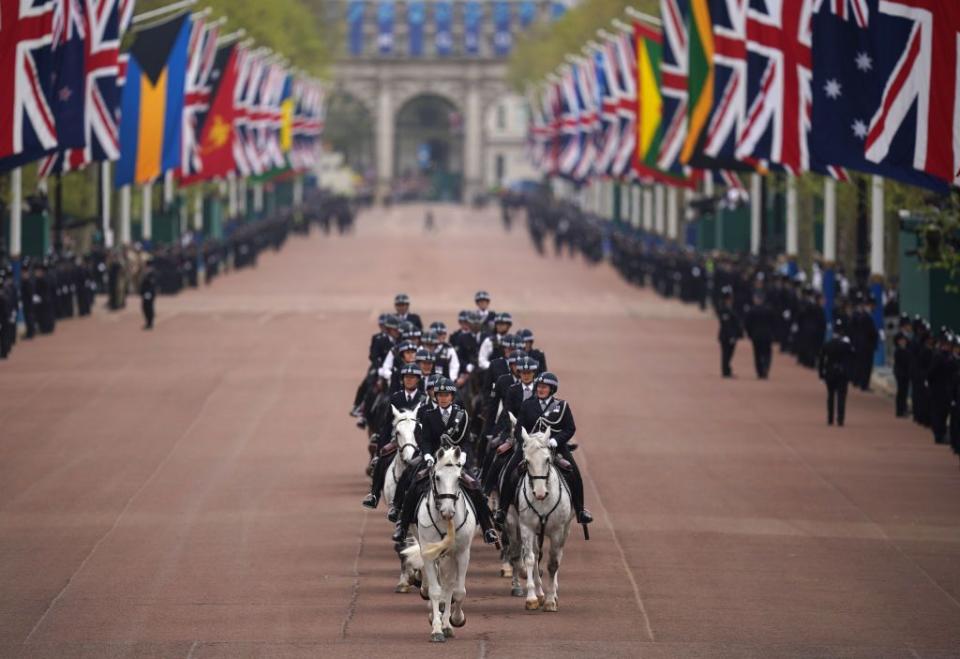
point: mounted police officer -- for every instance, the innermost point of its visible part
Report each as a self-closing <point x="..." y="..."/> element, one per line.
<point x="519" y="389"/>
<point x="381" y="344"/>
<point x="527" y="338"/>
<point x="539" y="413"/>
<point x="410" y="397"/>
<point x="445" y="426"/>
<point x="490" y="346"/>
<point x="482" y="300"/>
<point x="404" y="353"/>
<point x="401" y="302"/>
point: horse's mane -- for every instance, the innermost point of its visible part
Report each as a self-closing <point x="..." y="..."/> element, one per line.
<point x="447" y="459"/>
<point x="537" y="440"/>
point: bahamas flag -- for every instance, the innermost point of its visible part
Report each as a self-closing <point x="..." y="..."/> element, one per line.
<point x="151" y="107"/>
<point x="649" y="99"/>
<point x="286" y="115"/>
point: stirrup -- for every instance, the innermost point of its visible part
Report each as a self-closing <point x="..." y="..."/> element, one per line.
<point x="400" y="533"/>
<point x="584" y="517"/>
<point x="393" y="514"/>
<point x="370" y="501"/>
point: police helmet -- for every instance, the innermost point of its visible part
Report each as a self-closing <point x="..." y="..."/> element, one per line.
<point x="439" y="327"/>
<point x="445" y="386"/>
<point x="401" y="298"/>
<point x="390" y="321"/>
<point x="526" y="335"/>
<point x="410" y="369"/>
<point x="412" y="333"/>
<point x="481" y="295"/>
<point x="548" y="379"/>
<point x="429" y="338"/>
<point x="503" y="317"/>
<point x="425" y="356"/>
<point x="431" y="381"/>
<point x="528" y="365"/>
<point x="382" y="319"/>
<point x="407" y="346"/>
<point x="463" y="316"/>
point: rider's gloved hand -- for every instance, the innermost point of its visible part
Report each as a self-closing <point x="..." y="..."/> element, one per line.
<point x="428" y="459"/>
<point x="552" y="443"/>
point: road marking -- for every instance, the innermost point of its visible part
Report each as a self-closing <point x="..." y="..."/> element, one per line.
<point x="355" y="594"/>
<point x="623" y="555"/>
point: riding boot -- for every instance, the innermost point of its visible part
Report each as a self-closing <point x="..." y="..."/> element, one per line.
<point x="575" y="481"/>
<point x="408" y="512"/>
<point x="483" y="515"/>
<point x="380" y="475"/>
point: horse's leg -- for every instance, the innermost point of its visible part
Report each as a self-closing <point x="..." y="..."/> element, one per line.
<point x="552" y="602"/>
<point x="530" y="563"/>
<point x="538" y="576"/>
<point x="457" y="617"/>
<point x="515" y="555"/>
<point x="448" y="578"/>
<point x="432" y="579"/>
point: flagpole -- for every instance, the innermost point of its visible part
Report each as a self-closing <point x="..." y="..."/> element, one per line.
<point x="640" y="16"/>
<point x="793" y="219"/>
<point x="58" y="216"/>
<point x="198" y="209"/>
<point x="16" y="211"/>
<point x="162" y="11"/>
<point x="105" y="204"/>
<point x="146" y="210"/>
<point x="125" y="215"/>
<point x="829" y="219"/>
<point x="756" y="213"/>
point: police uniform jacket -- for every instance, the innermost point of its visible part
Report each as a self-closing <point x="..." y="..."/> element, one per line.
<point x="557" y="417"/>
<point x="540" y="358"/>
<point x="730" y="327"/>
<point x="836" y="360"/>
<point x="381" y="344"/>
<point x="411" y="318"/>
<point x="400" y="401"/>
<point x="434" y="433"/>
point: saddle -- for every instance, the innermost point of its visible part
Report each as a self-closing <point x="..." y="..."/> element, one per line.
<point x="389" y="449"/>
<point x="564" y="464"/>
<point x="469" y="482"/>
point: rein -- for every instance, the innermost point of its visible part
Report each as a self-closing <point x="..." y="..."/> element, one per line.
<point x="543" y="518"/>
<point x="437" y="498"/>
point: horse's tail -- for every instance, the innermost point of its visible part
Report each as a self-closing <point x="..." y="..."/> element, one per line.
<point x="413" y="555"/>
<point x="433" y="551"/>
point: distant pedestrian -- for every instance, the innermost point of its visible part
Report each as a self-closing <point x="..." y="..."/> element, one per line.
<point x="760" y="322"/>
<point x="836" y="367"/>
<point x="148" y="295"/>
<point x="428" y="223"/>
<point x="731" y="330"/>
<point x="902" y="355"/>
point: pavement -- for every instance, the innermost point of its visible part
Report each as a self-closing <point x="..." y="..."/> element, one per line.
<point x="195" y="491"/>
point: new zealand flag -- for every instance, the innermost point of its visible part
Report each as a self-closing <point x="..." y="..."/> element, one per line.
<point x="849" y="77"/>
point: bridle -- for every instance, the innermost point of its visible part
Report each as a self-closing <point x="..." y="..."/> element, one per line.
<point x="546" y="477"/>
<point x="396" y="435"/>
<point x="439" y="496"/>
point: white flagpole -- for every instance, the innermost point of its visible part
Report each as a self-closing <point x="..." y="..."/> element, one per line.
<point x="16" y="212"/>
<point x="232" y="196"/>
<point x="198" y="209"/>
<point x="793" y="217"/>
<point x="829" y="219"/>
<point x="105" y="196"/>
<point x="147" y="211"/>
<point x="125" y="233"/>
<point x="876" y="225"/>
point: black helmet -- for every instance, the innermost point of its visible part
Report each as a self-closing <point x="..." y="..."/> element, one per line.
<point x="528" y="365"/>
<point x="463" y="316"/>
<point x="406" y="346"/>
<point x="431" y="381"/>
<point x="410" y="369"/>
<point x="429" y="338"/>
<point x="549" y="379"/>
<point x="526" y="335"/>
<point x="510" y="342"/>
<point x="439" y="327"/>
<point x="445" y="386"/>
<point x="401" y="298"/>
<point x="481" y="295"/>
<point x="405" y="326"/>
<point x="382" y="319"/>
<point x="412" y="333"/>
<point x="425" y="356"/>
<point x="516" y="356"/>
<point x="390" y="321"/>
<point x="477" y="317"/>
<point x="503" y="317"/>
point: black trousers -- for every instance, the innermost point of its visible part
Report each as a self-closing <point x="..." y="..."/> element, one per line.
<point x="148" y="312"/>
<point x="939" y="418"/>
<point x="380" y="474"/>
<point x="364" y="387"/>
<point x="903" y="391"/>
<point x="837" y="400"/>
<point x="762" y="356"/>
<point x="726" y="355"/>
<point x="920" y="397"/>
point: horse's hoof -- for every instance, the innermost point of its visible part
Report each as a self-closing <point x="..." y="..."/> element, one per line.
<point x="402" y="588"/>
<point x="506" y="572"/>
<point x="424" y="594"/>
<point x="551" y="606"/>
<point x="438" y="638"/>
<point x="448" y="632"/>
<point x="533" y="605"/>
<point x="458" y="622"/>
<point x="518" y="592"/>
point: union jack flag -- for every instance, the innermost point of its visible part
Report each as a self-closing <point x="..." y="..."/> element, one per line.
<point x="202" y="52"/>
<point x="268" y="116"/>
<point x="916" y="45"/>
<point x="308" y="124"/>
<point x="537" y="132"/>
<point x="673" y="71"/>
<point x="626" y="72"/>
<point x="252" y="71"/>
<point x="552" y="110"/>
<point x="589" y="119"/>
<point x="27" y="124"/>
<point x="607" y="137"/>
<point x="571" y="138"/>
<point x="105" y="21"/>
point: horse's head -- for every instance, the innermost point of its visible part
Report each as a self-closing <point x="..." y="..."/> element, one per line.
<point x="539" y="457"/>
<point x="446" y="480"/>
<point x="404" y="427"/>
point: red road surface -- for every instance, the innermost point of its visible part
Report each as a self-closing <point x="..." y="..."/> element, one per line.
<point x="195" y="491"/>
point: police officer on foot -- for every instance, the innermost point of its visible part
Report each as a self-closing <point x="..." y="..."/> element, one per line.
<point x="836" y="368"/>
<point x="148" y="295"/>
<point x="731" y="329"/>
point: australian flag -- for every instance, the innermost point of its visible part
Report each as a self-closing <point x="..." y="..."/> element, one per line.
<point x="849" y="77"/>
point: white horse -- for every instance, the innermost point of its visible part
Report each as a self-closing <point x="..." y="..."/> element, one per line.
<point x="404" y="426"/>
<point x="446" y="524"/>
<point x="544" y="510"/>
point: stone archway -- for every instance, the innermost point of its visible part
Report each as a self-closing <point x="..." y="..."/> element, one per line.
<point x="349" y="129"/>
<point x="428" y="156"/>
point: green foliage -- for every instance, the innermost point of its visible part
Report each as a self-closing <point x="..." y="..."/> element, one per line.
<point x="294" y="28"/>
<point x="545" y="47"/>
